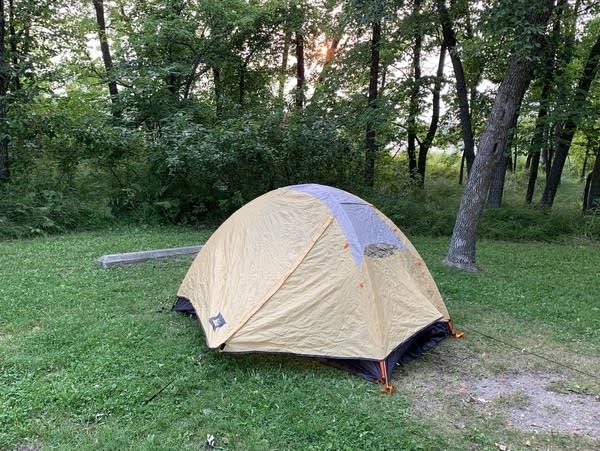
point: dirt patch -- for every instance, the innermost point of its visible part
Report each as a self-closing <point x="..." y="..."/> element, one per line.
<point x="531" y="402"/>
<point x="476" y="387"/>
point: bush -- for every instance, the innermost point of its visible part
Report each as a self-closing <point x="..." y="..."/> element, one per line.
<point x="26" y="212"/>
<point x="205" y="173"/>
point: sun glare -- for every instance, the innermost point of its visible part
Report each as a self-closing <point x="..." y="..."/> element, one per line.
<point x="325" y="50"/>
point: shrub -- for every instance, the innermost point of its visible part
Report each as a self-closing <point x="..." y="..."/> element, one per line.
<point x="24" y="212"/>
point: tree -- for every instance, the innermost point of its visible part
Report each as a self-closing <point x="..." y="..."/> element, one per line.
<point x="370" y="134"/>
<point x="413" y="104"/>
<point x="451" y="44"/>
<point x="591" y="197"/>
<point x="107" y="57"/>
<point x="4" y="78"/>
<point x="425" y="145"/>
<point x="547" y="77"/>
<point x="461" y="253"/>
<point x="567" y="128"/>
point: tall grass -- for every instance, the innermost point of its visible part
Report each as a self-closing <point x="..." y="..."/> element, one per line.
<point x="432" y="210"/>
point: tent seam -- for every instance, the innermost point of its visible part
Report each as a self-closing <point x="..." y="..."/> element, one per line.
<point x="275" y="288"/>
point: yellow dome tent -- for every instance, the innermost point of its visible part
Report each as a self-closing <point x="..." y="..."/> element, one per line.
<point x="314" y="270"/>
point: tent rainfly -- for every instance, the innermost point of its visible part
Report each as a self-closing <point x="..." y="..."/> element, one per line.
<point x="316" y="271"/>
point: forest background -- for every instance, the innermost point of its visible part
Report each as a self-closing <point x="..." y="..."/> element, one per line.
<point x="160" y="111"/>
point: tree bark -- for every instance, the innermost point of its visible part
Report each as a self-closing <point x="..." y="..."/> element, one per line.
<point x="567" y="129"/>
<point x="16" y="80"/>
<point x="461" y="253"/>
<point x="541" y="127"/>
<point x="218" y="87"/>
<point x="106" y="57"/>
<point x="413" y="105"/>
<point x="591" y="200"/>
<point x="241" y="85"/>
<point x="534" y="166"/>
<point x="537" y="141"/>
<point x="4" y="79"/>
<point x="585" y="162"/>
<point x="496" y="192"/>
<point x="370" y="136"/>
<point x="461" y="83"/>
<point x="283" y="68"/>
<point x="300" y="77"/>
<point x="425" y="145"/>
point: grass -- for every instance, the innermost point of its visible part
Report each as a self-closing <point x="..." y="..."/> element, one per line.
<point x="83" y="350"/>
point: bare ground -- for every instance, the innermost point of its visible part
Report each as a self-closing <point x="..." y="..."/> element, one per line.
<point x="537" y="402"/>
<point x="478" y="386"/>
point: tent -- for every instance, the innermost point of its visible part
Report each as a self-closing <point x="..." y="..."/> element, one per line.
<point x="314" y="270"/>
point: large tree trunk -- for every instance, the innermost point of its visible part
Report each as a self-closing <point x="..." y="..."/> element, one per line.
<point x="566" y="131"/>
<point x="496" y="192"/>
<point x="461" y="83"/>
<point x="425" y="145"/>
<point x="591" y="199"/>
<point x="494" y="139"/>
<point x="106" y="57"/>
<point x="4" y="78"/>
<point x="370" y="137"/>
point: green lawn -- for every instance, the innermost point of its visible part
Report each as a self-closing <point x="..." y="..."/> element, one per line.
<point x="83" y="348"/>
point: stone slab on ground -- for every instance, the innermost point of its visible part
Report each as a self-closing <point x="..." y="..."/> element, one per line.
<point x="136" y="257"/>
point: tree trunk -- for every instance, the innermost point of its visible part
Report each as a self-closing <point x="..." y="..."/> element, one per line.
<point x="413" y="105"/>
<point x="496" y="192"/>
<point x="534" y="165"/>
<point x="461" y="174"/>
<point x="284" y="66"/>
<point x="370" y="137"/>
<point x="16" y="80"/>
<point x="567" y="130"/>
<point x="591" y="200"/>
<point x="461" y="84"/>
<point x="494" y="139"/>
<point x="537" y="141"/>
<point x="106" y="57"/>
<point x="585" y="161"/>
<point x="218" y="86"/>
<point x="241" y="85"/>
<point x="300" y="78"/>
<point x="548" y="76"/>
<point x="4" y="78"/>
<point x="435" y="117"/>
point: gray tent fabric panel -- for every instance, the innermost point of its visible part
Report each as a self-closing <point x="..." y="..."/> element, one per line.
<point x="359" y="221"/>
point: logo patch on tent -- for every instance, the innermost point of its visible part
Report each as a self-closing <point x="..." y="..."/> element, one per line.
<point x="217" y="321"/>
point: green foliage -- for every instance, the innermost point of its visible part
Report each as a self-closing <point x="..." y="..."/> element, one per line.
<point x="24" y="212"/>
<point x="432" y="211"/>
<point x="209" y="172"/>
